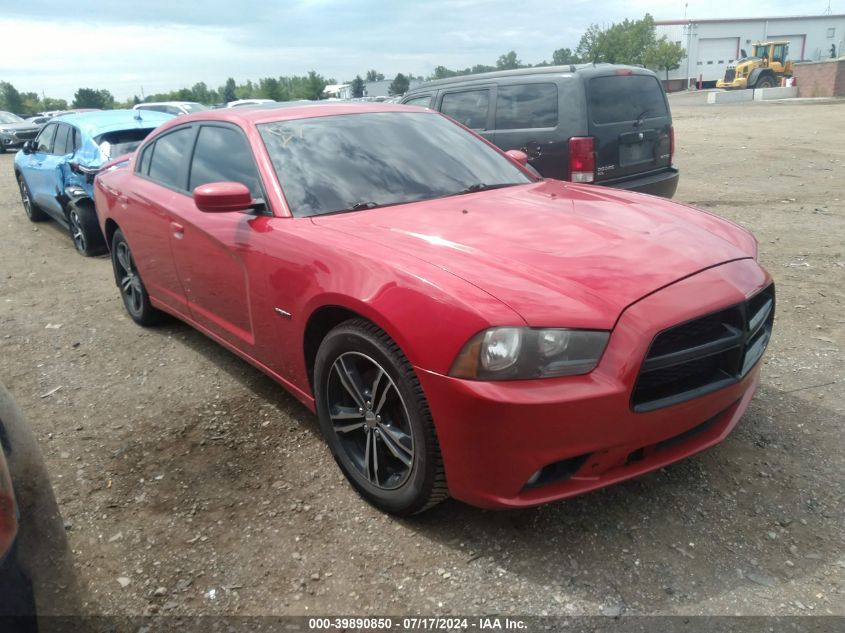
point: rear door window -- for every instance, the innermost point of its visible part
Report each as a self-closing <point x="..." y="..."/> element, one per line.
<point x="60" y="144"/>
<point x="617" y="98"/>
<point x="526" y="106"/>
<point x="222" y="154"/>
<point x="168" y="165"/>
<point x="469" y="107"/>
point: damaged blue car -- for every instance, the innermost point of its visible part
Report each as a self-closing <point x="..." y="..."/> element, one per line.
<point x="55" y="171"/>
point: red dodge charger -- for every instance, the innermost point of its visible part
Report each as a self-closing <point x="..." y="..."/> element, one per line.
<point x="460" y="326"/>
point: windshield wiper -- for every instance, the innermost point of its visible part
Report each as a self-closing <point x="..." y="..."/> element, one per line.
<point x="480" y="186"/>
<point x="364" y="205"/>
<point x="641" y="118"/>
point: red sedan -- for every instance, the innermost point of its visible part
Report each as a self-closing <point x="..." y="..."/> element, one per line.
<point x="460" y="326"/>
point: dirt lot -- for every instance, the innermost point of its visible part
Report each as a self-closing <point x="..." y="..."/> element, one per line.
<point x="204" y="488"/>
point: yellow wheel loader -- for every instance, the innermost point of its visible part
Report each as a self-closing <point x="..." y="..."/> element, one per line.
<point x="763" y="69"/>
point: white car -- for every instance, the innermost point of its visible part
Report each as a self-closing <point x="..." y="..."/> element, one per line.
<point x="172" y="107"/>
<point x="248" y="102"/>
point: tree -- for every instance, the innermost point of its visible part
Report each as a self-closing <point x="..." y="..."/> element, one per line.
<point x="314" y="85"/>
<point x="665" y="55"/>
<point x="626" y="42"/>
<point x="508" y="61"/>
<point x="229" y="90"/>
<point x="268" y="88"/>
<point x="399" y="85"/>
<point x="357" y="86"/>
<point x="564" y="57"/>
<point x="10" y="98"/>
<point x="91" y="98"/>
<point x="372" y="75"/>
<point x="49" y="104"/>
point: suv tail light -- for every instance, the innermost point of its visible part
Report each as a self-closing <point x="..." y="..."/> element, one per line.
<point x="582" y="159"/>
<point x="671" y="143"/>
<point x="8" y="512"/>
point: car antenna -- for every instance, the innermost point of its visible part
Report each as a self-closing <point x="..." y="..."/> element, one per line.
<point x="138" y="116"/>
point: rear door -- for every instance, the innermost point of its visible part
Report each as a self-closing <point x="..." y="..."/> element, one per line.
<point x="472" y="107"/>
<point x="526" y="119"/>
<point x="629" y="119"/>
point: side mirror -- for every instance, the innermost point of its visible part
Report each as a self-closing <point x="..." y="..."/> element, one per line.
<point x="223" y="197"/>
<point x="28" y="147"/>
<point x="518" y="155"/>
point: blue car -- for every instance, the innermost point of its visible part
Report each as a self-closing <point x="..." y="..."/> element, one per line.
<point x="55" y="171"/>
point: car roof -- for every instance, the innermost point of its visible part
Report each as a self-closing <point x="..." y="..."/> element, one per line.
<point x="170" y="103"/>
<point x="569" y="70"/>
<point x="281" y="111"/>
<point x="95" y="123"/>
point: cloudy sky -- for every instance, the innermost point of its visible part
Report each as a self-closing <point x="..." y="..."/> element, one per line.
<point x="156" y="45"/>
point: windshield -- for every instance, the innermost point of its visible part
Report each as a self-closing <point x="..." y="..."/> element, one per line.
<point x="761" y="51"/>
<point x="194" y="107"/>
<point x="8" y="117"/>
<point x="357" y="161"/>
<point x="114" y="144"/>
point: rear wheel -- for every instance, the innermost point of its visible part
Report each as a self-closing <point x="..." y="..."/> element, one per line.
<point x="132" y="290"/>
<point x="84" y="229"/>
<point x="30" y="208"/>
<point x="376" y="420"/>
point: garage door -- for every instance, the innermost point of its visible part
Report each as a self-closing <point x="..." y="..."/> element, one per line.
<point x="796" y="44"/>
<point x="714" y="55"/>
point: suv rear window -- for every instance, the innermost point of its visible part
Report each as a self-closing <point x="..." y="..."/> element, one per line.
<point x="526" y="106"/>
<point x="617" y="98"/>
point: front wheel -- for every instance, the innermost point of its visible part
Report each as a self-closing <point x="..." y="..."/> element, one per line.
<point x="132" y="290"/>
<point x="765" y="82"/>
<point x="84" y="229"/>
<point x="30" y="208"/>
<point x="376" y="420"/>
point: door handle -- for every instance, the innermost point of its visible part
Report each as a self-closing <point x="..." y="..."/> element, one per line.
<point x="178" y="230"/>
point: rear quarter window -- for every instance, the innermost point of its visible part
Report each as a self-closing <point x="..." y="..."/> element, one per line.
<point x="525" y="106"/>
<point x="469" y="107"/>
<point x="617" y="98"/>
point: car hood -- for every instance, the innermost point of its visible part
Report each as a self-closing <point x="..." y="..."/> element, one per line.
<point x="558" y="254"/>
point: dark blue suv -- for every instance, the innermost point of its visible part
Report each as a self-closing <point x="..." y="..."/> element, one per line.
<point x="55" y="171"/>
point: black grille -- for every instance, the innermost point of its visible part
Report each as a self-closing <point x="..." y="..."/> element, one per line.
<point x="26" y="136"/>
<point x="730" y="75"/>
<point x="705" y="354"/>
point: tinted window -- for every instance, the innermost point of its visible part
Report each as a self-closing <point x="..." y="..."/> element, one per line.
<point x="526" y="106"/>
<point x="146" y="157"/>
<point x="60" y="143"/>
<point x="223" y="155"/>
<point x="424" y="101"/>
<point x="120" y="142"/>
<point x="625" y="98"/>
<point x="356" y="161"/>
<point x="171" y="154"/>
<point x="468" y="108"/>
<point x="44" y="142"/>
<point x="77" y="143"/>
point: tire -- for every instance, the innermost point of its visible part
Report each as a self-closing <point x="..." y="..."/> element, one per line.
<point x="387" y="447"/>
<point x="765" y="82"/>
<point x="30" y="208"/>
<point x="84" y="228"/>
<point x="132" y="290"/>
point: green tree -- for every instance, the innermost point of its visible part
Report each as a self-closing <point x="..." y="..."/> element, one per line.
<point x="508" y="61"/>
<point x="268" y="88"/>
<point x="313" y="86"/>
<point x="665" y="55"/>
<point x="399" y="85"/>
<point x="357" y="86"/>
<point x="228" y="90"/>
<point x="373" y="75"/>
<point x="91" y="98"/>
<point x="626" y="42"/>
<point x="53" y="104"/>
<point x="10" y="98"/>
<point x="564" y="57"/>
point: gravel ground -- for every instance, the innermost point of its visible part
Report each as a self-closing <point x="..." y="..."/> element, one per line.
<point x="191" y="483"/>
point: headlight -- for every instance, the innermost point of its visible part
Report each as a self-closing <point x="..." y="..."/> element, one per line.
<point x="515" y="353"/>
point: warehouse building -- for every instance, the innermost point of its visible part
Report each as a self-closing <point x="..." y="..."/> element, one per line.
<point x="713" y="44"/>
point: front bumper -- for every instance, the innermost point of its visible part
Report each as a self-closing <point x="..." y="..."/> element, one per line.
<point x="739" y="82"/>
<point x="495" y="436"/>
